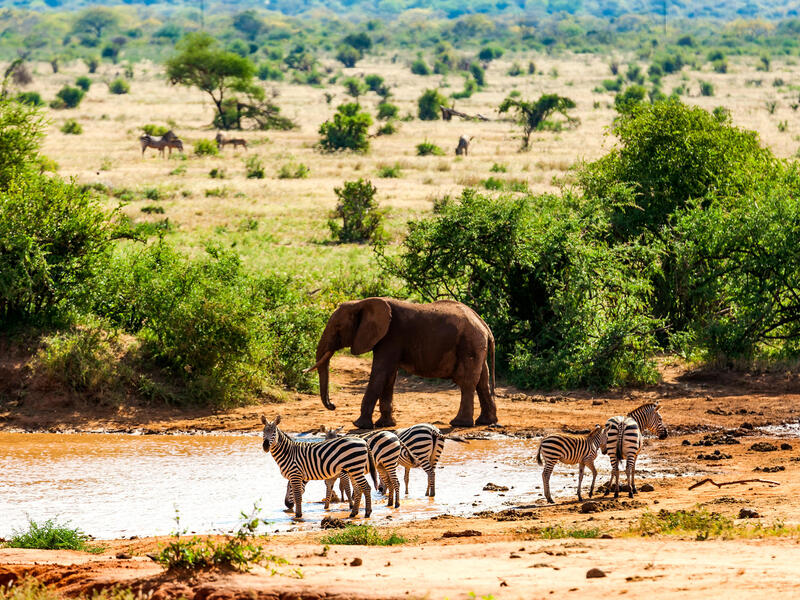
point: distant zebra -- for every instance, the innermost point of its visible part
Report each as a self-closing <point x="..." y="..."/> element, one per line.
<point x="236" y="142"/>
<point x="306" y="461"/>
<point x="463" y="145"/>
<point x="624" y="441"/>
<point x="169" y="140"/>
<point x="570" y="449"/>
<point x="425" y="442"/>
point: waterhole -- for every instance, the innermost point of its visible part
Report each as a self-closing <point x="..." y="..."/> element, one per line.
<point x="118" y="485"/>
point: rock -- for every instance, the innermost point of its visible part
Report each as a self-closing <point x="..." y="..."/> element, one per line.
<point x="785" y="446"/>
<point x="590" y="506"/>
<point x="493" y="487"/>
<point x="332" y="523"/>
<point x="594" y="573"/>
<point x="716" y="455"/>
<point x="356" y="562"/>
<point x="606" y="536"/>
<point x="774" y="469"/>
<point x="763" y="447"/>
<point x="647" y="487"/>
<point x="461" y="534"/>
<point x="746" y="425"/>
<point x="748" y="513"/>
<point x="717" y="438"/>
<point x="686" y="443"/>
<point x="124" y="556"/>
<point x="597" y="402"/>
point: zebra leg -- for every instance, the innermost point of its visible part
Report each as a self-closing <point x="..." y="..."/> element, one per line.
<point x="405" y="478"/>
<point x="329" y="483"/>
<point x="431" y="491"/>
<point x="629" y="464"/>
<point x="394" y="482"/>
<point x="390" y="487"/>
<point x="594" y="477"/>
<point x="289" y="499"/>
<point x="580" y="481"/>
<point x="360" y="486"/>
<point x="633" y="476"/>
<point x="297" y="488"/>
<point x="345" y="489"/>
<point x="548" y="469"/>
<point x="615" y="476"/>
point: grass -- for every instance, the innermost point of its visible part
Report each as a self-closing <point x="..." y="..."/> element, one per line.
<point x="703" y="524"/>
<point x="31" y="588"/>
<point x="554" y="532"/>
<point x="362" y="535"/>
<point x="52" y="536"/>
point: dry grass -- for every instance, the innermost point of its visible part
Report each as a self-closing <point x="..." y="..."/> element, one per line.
<point x="290" y="214"/>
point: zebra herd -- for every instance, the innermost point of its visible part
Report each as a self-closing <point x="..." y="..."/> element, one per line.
<point x="620" y="438"/>
<point x="169" y="140"/>
<point x="347" y="458"/>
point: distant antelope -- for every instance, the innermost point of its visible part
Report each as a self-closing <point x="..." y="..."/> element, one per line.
<point x="222" y="141"/>
<point x="169" y="140"/>
<point x="463" y="145"/>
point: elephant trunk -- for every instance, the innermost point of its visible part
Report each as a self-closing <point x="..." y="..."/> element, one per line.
<point x="323" y="385"/>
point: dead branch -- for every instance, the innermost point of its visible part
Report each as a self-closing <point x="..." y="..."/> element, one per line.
<point x="719" y="485"/>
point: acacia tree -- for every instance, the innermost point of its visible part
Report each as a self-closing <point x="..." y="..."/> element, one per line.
<point x="201" y="63"/>
<point x="531" y="115"/>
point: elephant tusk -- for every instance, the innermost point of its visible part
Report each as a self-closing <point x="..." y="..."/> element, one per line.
<point x="325" y="357"/>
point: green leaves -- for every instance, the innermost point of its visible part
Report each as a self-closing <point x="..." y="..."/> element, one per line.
<point x="532" y="115"/>
<point x="347" y="130"/>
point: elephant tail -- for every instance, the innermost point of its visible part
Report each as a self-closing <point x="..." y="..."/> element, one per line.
<point x="491" y="351"/>
<point x="372" y="471"/>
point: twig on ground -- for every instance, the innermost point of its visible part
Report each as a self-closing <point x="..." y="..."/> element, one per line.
<point x="719" y="485"/>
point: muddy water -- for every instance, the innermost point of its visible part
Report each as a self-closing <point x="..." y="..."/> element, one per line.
<point x="113" y="485"/>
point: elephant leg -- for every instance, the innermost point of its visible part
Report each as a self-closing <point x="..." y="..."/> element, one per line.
<point x="488" y="414"/>
<point x="377" y="382"/>
<point x="464" y="418"/>
<point x="386" y="403"/>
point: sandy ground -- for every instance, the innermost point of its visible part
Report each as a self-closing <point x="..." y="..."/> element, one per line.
<point x="509" y="559"/>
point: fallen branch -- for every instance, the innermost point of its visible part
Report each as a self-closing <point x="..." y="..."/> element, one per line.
<point x="719" y="485"/>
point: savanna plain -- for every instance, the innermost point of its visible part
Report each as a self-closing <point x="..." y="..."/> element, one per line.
<point x="738" y="541"/>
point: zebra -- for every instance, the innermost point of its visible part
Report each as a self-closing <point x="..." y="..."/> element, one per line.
<point x="624" y="441"/>
<point x="236" y="142"/>
<point x="570" y="449"/>
<point x="305" y="461"/>
<point x="169" y="140"/>
<point x="463" y="145"/>
<point x="425" y="444"/>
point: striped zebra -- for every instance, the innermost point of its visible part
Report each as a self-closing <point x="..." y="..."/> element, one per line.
<point x="425" y="444"/>
<point x="624" y="441"/>
<point x="306" y="461"/>
<point x="570" y="449"/>
<point x="169" y="140"/>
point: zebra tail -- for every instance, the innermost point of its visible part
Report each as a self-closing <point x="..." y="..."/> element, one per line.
<point x="620" y="435"/>
<point x="414" y="461"/>
<point x="372" y="470"/>
<point x="539" y="455"/>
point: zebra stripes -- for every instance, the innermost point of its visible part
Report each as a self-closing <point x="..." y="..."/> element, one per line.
<point x="624" y="442"/>
<point x="425" y="444"/>
<point x="168" y="140"/>
<point x="306" y="461"/>
<point x="570" y="449"/>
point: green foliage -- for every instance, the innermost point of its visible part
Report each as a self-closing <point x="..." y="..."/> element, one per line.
<point x="155" y="130"/>
<point x="348" y="56"/>
<point x="68" y="97"/>
<point x="427" y="148"/>
<point x="508" y="185"/>
<point x="706" y="88"/>
<point x="51" y="535"/>
<point x="531" y="115"/>
<point x="498" y="168"/>
<point x="420" y="67"/>
<point x="478" y="74"/>
<point x="566" y="308"/>
<point x="254" y="168"/>
<point x="205" y="147"/>
<point x="21" y="134"/>
<point x="30" y="588"/>
<point x="489" y="53"/>
<point x="355" y="87"/>
<point x="293" y="170"/>
<point x="700" y="523"/>
<point x="362" y="535"/>
<point x="374" y="82"/>
<point x="270" y="72"/>
<point x="84" y="83"/>
<point x="428" y="105"/>
<point x="30" y="98"/>
<point x="362" y="218"/>
<point x="347" y="130"/>
<point x="119" y="86"/>
<point x="626" y="101"/>
<point x="387" y="110"/>
<point x="389" y="171"/>
<point x="71" y="127"/>
<point x="555" y="532"/>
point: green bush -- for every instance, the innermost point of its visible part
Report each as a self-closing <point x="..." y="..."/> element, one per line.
<point x="567" y="309"/>
<point x="217" y="173"/>
<point x="489" y="53"/>
<point x="387" y="129"/>
<point x="478" y="74"/>
<point x="270" y="72"/>
<point x="420" y="67"/>
<point x="293" y="171"/>
<point x="155" y="130"/>
<point x="428" y="105"/>
<point x="68" y="97"/>
<point x="362" y="218"/>
<point x="347" y="130"/>
<point x="204" y="147"/>
<point x="387" y="110"/>
<point x="119" y="86"/>
<point x="32" y="98"/>
<point x="706" y="88"/>
<point x="429" y="149"/>
<point x="362" y="535"/>
<point x="71" y="127"/>
<point x="21" y="133"/>
<point x="254" y="168"/>
<point x="627" y="100"/>
<point x="84" y="83"/>
<point x="348" y="56"/>
<point x="51" y="536"/>
<point x="389" y="171"/>
<point x="374" y="82"/>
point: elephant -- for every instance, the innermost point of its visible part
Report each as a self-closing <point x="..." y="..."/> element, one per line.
<point x="443" y="339"/>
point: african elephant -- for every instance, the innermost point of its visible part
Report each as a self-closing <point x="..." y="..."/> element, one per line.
<point x="443" y="339"/>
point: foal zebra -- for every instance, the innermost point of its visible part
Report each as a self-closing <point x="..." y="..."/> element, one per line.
<point x="624" y="441"/>
<point x="306" y="461"/>
<point x="570" y="449"/>
<point x="425" y="444"/>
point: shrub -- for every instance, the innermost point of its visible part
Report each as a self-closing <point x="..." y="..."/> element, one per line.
<point x="348" y="55"/>
<point x="706" y="88"/>
<point x="489" y="53"/>
<point x="84" y="83"/>
<point x="374" y="82"/>
<point x="31" y="98"/>
<point x="217" y="173"/>
<point x="720" y="66"/>
<point x="387" y="129"/>
<point x="155" y="130"/>
<point x="567" y="309"/>
<point x="555" y="532"/>
<point x="71" y="127"/>
<point x="51" y="536"/>
<point x="498" y="168"/>
<point x="68" y="97"/>
<point x="362" y="218"/>
<point x="270" y="72"/>
<point x="293" y="171"/>
<point x="429" y="149"/>
<point x="119" y="86"/>
<point x="389" y="171"/>
<point x="205" y="147"/>
<point x="347" y="130"/>
<point x="254" y="168"/>
<point x="478" y="74"/>
<point x="515" y="70"/>
<point x="362" y="535"/>
<point x="387" y="110"/>
<point x="428" y="105"/>
<point x="420" y="67"/>
<point x="532" y="115"/>
<point x="626" y="101"/>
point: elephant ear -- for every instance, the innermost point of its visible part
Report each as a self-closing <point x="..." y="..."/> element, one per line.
<point x="375" y="316"/>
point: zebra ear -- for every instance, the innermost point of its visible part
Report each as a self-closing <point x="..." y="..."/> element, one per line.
<point x="277" y="420"/>
<point x="263" y="419"/>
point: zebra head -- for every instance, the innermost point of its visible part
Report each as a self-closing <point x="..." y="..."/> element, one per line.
<point x="331" y="433"/>
<point x="652" y="420"/>
<point x="270" y="432"/>
<point x="598" y="437"/>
